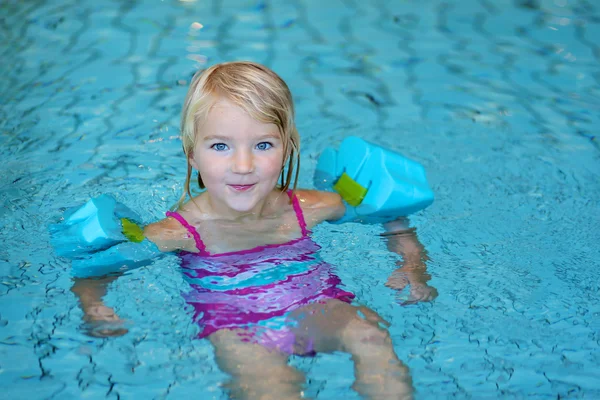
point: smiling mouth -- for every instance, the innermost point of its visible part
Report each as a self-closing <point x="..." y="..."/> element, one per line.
<point x="241" y="188"/>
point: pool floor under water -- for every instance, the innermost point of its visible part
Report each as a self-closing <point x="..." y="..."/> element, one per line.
<point x="500" y="101"/>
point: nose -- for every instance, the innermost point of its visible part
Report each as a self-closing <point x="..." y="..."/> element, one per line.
<point x="243" y="162"/>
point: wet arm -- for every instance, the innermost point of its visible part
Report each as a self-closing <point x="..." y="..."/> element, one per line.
<point x="167" y="235"/>
<point x="412" y="269"/>
<point x="90" y="292"/>
<point x="319" y="206"/>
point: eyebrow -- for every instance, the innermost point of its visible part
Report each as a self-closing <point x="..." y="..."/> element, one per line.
<point x="214" y="137"/>
<point x="225" y="138"/>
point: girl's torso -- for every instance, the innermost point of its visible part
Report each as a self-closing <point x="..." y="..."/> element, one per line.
<point x="240" y="289"/>
<point x="216" y="236"/>
<point x="279" y="223"/>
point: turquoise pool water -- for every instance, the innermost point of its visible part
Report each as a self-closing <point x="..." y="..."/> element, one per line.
<point x="500" y="100"/>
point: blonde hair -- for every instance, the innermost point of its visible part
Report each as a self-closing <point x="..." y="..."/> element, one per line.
<point x="258" y="91"/>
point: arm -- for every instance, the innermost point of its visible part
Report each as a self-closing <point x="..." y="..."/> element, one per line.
<point x="103" y="240"/>
<point x="318" y="206"/>
<point x="169" y="235"/>
<point x="101" y="237"/>
<point x="100" y="320"/>
<point x="412" y="270"/>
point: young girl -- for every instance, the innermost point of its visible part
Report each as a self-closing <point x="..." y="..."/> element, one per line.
<point x="259" y="289"/>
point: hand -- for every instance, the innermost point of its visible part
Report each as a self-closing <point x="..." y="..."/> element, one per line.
<point x="101" y="321"/>
<point x="420" y="292"/>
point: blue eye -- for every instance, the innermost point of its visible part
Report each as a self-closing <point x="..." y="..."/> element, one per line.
<point x="219" y="146"/>
<point x="264" y="146"/>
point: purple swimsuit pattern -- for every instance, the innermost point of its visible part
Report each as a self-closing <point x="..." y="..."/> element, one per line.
<point x="254" y="290"/>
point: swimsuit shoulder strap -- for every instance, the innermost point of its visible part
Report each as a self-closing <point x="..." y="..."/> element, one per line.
<point x="299" y="214"/>
<point x="199" y="243"/>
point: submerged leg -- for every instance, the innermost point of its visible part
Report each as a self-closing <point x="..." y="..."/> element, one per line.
<point x="256" y="371"/>
<point x="338" y="326"/>
<point x="378" y="371"/>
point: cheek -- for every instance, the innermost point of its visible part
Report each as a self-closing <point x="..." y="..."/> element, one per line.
<point x="209" y="168"/>
<point x="273" y="165"/>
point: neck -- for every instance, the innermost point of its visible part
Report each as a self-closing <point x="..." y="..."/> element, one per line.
<point x="264" y="208"/>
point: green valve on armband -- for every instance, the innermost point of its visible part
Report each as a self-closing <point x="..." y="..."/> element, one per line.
<point x="350" y="190"/>
<point x="132" y="231"/>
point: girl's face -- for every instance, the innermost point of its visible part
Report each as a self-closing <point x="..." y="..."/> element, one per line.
<point x="239" y="159"/>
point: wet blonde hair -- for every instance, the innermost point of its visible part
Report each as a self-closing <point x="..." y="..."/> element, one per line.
<point x="258" y="91"/>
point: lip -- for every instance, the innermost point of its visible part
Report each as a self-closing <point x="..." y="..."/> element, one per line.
<point x="241" y="188"/>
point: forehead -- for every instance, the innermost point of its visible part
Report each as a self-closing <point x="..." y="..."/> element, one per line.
<point x="224" y="106"/>
<point x="225" y="118"/>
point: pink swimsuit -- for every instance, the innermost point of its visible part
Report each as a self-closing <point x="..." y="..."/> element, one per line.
<point x="255" y="290"/>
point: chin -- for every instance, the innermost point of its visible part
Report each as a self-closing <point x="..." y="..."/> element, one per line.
<point x="242" y="206"/>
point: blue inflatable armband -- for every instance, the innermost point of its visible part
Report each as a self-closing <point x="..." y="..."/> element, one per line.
<point x="377" y="183"/>
<point x="95" y="226"/>
<point x="120" y="258"/>
<point x="100" y="237"/>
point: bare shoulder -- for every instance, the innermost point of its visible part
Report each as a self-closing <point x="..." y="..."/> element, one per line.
<point x="169" y="235"/>
<point x="191" y="208"/>
<point x="319" y="206"/>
